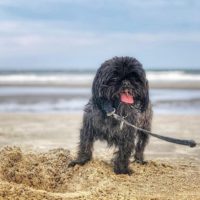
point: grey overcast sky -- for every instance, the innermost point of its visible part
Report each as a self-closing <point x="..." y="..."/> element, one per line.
<point x="80" y="34"/>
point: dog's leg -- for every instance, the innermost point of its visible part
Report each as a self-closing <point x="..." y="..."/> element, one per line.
<point x="85" y="146"/>
<point x="143" y="138"/>
<point x="140" y="147"/>
<point x="121" y="162"/>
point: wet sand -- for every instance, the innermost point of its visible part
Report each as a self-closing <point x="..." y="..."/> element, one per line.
<point x="164" y="84"/>
<point x="36" y="168"/>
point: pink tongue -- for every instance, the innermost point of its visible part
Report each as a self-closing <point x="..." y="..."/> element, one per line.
<point x="127" y="98"/>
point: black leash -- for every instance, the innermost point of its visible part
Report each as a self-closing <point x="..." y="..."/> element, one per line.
<point x="190" y="143"/>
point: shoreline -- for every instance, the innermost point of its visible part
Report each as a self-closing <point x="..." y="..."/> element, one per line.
<point x="44" y="131"/>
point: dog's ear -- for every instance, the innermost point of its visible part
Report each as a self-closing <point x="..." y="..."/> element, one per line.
<point x="145" y="97"/>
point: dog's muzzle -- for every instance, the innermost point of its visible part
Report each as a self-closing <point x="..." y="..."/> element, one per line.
<point x="126" y="94"/>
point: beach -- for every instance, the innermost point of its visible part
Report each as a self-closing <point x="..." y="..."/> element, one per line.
<point x="34" y="166"/>
<point x="40" y="120"/>
<point x="60" y="59"/>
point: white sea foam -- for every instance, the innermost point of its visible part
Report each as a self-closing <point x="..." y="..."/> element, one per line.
<point x="59" y="106"/>
<point x="47" y="78"/>
<point x="78" y="79"/>
<point x="172" y="76"/>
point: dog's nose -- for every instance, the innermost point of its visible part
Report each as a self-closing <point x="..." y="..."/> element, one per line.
<point x="126" y="83"/>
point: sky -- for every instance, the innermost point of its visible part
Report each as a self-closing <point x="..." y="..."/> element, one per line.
<point x="81" y="34"/>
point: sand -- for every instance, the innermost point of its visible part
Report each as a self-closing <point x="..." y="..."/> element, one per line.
<point x="46" y="176"/>
<point x="33" y="170"/>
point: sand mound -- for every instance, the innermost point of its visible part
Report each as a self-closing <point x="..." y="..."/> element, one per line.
<point x="46" y="176"/>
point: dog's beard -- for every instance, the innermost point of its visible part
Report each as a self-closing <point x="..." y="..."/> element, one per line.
<point x="129" y="99"/>
<point x="126" y="101"/>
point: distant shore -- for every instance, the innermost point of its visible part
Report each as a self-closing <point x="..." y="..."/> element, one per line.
<point x="175" y="85"/>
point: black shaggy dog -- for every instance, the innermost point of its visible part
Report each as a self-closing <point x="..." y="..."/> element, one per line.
<point x="120" y="86"/>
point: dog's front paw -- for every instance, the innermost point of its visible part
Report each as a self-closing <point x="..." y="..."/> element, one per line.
<point x="78" y="162"/>
<point x="141" y="162"/>
<point x="123" y="171"/>
<point x="72" y="163"/>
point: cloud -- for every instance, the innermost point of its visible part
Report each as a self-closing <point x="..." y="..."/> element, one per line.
<point x="132" y="2"/>
<point x="108" y="15"/>
<point x="49" y="32"/>
<point x="36" y="44"/>
<point x="42" y="33"/>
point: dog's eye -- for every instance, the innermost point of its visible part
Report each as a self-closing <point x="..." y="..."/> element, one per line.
<point x="136" y="79"/>
<point x="112" y="81"/>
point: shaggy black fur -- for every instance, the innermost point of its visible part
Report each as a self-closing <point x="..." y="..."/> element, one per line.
<point x="113" y="78"/>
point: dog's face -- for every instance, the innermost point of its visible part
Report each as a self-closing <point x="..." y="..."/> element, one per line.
<point x="123" y="79"/>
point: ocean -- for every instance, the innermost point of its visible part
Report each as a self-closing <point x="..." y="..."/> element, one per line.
<point x="68" y="91"/>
